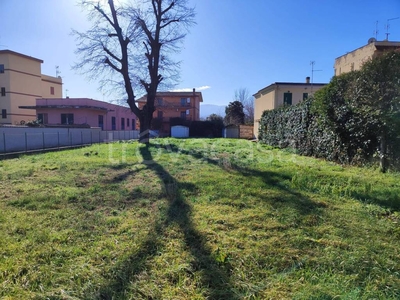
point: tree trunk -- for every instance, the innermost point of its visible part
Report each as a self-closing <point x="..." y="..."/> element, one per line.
<point x="145" y="117"/>
<point x="384" y="160"/>
<point x="144" y="136"/>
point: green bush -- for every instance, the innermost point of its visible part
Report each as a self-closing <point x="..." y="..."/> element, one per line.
<point x="353" y="119"/>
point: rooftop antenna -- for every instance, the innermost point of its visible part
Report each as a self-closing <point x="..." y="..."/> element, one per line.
<point x="1" y="44"/>
<point x="388" y="26"/>
<point x="58" y="72"/>
<point x="312" y="63"/>
<point x="66" y="93"/>
<point x="376" y="31"/>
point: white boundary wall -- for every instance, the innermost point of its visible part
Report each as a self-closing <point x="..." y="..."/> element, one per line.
<point x="24" y="139"/>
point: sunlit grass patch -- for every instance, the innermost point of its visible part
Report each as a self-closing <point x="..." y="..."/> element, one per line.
<point x="196" y="219"/>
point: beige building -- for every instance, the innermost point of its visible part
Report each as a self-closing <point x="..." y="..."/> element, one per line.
<point x="353" y="60"/>
<point x="21" y="83"/>
<point x="279" y="94"/>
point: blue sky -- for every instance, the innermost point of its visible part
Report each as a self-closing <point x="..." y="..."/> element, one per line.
<point x="235" y="44"/>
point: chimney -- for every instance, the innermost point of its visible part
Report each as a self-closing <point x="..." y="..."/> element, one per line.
<point x="308" y="80"/>
<point x="194" y="91"/>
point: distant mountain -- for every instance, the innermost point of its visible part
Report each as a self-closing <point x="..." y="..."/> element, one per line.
<point x="208" y="109"/>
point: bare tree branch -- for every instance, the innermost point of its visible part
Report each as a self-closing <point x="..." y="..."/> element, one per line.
<point x="243" y="96"/>
<point x="168" y="23"/>
<point x="129" y="47"/>
<point x="111" y="54"/>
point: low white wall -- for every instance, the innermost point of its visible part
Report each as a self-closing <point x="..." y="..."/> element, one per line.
<point x="20" y="139"/>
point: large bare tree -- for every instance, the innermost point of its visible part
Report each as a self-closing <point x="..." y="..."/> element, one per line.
<point x="243" y="96"/>
<point x="131" y="47"/>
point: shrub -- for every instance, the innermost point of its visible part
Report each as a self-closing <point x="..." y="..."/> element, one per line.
<point x="354" y="117"/>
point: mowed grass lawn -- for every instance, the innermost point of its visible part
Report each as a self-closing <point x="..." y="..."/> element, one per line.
<point x="196" y="219"/>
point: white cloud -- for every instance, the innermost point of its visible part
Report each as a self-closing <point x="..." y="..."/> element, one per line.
<point x="198" y="89"/>
<point x="202" y="88"/>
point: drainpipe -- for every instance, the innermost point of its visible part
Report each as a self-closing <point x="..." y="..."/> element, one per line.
<point x="193" y="105"/>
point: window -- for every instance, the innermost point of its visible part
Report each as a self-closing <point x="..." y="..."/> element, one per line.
<point x="1" y="68"/>
<point x="42" y="118"/>
<point x="3" y="91"/>
<point x="122" y="123"/>
<point x="67" y="119"/>
<point x="183" y="115"/>
<point x="113" y="123"/>
<point x="4" y="113"/>
<point x="159" y="101"/>
<point x="287" y="98"/>
<point x="305" y="96"/>
<point x="127" y="122"/>
<point x="133" y="124"/>
<point x="101" y="121"/>
<point x="187" y="112"/>
<point x="52" y="90"/>
<point x="185" y="101"/>
<point x="160" y="114"/>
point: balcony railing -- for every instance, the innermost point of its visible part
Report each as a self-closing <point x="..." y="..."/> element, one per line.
<point x="171" y="104"/>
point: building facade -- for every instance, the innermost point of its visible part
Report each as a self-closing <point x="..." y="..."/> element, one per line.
<point x="21" y="83"/>
<point x="184" y="105"/>
<point x="353" y="60"/>
<point x="279" y="94"/>
<point x="69" y="111"/>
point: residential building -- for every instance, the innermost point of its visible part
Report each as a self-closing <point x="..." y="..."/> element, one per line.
<point x="21" y="83"/>
<point x="353" y="60"/>
<point x="184" y="105"/>
<point x="68" y="111"/>
<point x="279" y="94"/>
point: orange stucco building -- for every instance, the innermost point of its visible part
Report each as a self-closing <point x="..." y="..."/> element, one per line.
<point x="184" y="105"/>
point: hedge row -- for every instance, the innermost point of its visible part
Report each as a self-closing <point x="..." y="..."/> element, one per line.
<point x="298" y="128"/>
<point x="352" y="120"/>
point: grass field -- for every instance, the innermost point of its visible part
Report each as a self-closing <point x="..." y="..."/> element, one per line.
<point x="196" y="219"/>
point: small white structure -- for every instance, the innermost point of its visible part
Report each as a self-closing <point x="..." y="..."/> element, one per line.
<point x="231" y="131"/>
<point x="180" y="131"/>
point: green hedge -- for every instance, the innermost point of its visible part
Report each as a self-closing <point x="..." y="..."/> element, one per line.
<point x="301" y="128"/>
<point x="352" y="120"/>
<point x="298" y="128"/>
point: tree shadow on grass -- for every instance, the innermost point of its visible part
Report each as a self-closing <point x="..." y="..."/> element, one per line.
<point x="275" y="180"/>
<point x="384" y="197"/>
<point x="215" y="278"/>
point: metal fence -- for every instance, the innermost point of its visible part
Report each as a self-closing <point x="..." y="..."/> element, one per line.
<point x="17" y="140"/>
